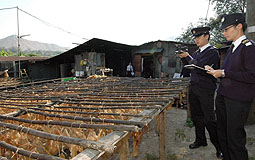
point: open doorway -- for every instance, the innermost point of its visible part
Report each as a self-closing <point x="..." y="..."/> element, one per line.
<point x="147" y="67"/>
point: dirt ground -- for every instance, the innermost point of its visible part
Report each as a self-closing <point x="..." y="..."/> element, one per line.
<point x="178" y="138"/>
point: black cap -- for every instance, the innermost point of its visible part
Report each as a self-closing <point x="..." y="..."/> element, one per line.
<point x="200" y="30"/>
<point x="231" y="19"/>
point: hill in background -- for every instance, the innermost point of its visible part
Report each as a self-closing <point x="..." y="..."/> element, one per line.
<point x="28" y="47"/>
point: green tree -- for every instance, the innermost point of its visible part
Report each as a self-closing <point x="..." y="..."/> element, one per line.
<point x="229" y="6"/>
<point x="221" y="7"/>
<point x="5" y="53"/>
<point x="32" y="55"/>
<point x="215" y="36"/>
<point x="186" y="35"/>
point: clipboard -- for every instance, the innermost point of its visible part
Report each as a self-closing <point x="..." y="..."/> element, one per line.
<point x="193" y="66"/>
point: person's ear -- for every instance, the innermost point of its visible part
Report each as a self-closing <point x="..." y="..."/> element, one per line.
<point x="206" y="36"/>
<point x="239" y="26"/>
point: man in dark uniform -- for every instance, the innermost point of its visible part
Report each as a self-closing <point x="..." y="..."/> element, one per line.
<point x="202" y="89"/>
<point x="237" y="88"/>
<point x="185" y="72"/>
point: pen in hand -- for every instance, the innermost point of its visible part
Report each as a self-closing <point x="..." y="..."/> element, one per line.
<point x="207" y="67"/>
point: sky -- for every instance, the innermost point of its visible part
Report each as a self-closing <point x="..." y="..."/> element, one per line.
<point x="71" y="22"/>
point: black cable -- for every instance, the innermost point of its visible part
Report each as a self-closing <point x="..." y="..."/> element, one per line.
<point x="51" y="25"/>
<point x="45" y="22"/>
<point x="7" y="8"/>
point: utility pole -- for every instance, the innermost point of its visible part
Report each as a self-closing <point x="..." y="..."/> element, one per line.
<point x="250" y="14"/>
<point x="18" y="39"/>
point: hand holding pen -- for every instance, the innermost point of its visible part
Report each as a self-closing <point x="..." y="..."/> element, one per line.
<point x="215" y="73"/>
<point x="209" y="68"/>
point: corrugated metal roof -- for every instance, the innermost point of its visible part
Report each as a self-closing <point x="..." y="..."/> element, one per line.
<point x="95" y="44"/>
<point x="15" y="58"/>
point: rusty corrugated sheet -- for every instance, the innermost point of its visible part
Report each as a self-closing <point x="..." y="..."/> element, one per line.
<point x="15" y="58"/>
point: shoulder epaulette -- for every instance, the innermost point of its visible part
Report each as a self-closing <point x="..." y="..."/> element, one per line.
<point x="246" y="42"/>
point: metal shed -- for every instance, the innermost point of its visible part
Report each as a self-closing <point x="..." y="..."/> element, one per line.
<point x="117" y="56"/>
<point x="12" y="63"/>
<point x="158" y="59"/>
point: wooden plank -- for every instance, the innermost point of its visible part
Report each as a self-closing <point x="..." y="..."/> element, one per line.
<point x="13" y="86"/>
<point x="13" y="114"/>
<point x="123" y="149"/>
<point x="3" y="158"/>
<point x="65" y="139"/>
<point x="188" y="104"/>
<point x="113" y="138"/>
<point x="162" y="135"/>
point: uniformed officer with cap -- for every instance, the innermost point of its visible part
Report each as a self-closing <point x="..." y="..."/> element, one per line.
<point x="202" y="89"/>
<point x="237" y="88"/>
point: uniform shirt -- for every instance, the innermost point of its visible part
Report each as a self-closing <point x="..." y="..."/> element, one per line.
<point x="204" y="47"/>
<point x="129" y="68"/>
<point x="238" y="42"/>
<point x="239" y="68"/>
<point x="208" y="56"/>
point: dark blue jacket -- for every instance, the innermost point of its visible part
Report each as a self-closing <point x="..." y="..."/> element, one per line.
<point x="239" y="67"/>
<point x="199" y="77"/>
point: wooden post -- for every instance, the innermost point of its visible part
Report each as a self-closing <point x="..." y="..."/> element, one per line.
<point x="250" y="14"/>
<point x="188" y="105"/>
<point x="162" y="135"/>
<point x="124" y="149"/>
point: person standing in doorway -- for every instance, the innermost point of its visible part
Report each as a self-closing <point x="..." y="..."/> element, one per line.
<point x="202" y="89"/>
<point x="130" y="70"/>
<point x="237" y="88"/>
